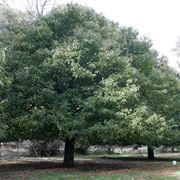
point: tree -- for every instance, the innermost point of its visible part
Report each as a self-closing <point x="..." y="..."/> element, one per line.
<point x="164" y="98"/>
<point x="75" y="73"/>
<point x="57" y="66"/>
<point x="143" y="60"/>
<point x="169" y="85"/>
<point x="158" y="83"/>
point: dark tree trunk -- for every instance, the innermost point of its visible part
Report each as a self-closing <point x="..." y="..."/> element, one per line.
<point x="109" y="150"/>
<point x="172" y="149"/>
<point x="151" y="153"/>
<point x="69" y="153"/>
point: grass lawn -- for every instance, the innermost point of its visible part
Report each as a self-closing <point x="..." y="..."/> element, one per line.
<point x="90" y="168"/>
<point x="156" y="175"/>
<point x="165" y="172"/>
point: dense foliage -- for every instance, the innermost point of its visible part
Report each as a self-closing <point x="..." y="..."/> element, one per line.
<point x="76" y="74"/>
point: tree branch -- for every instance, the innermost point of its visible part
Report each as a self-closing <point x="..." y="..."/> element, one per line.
<point x="54" y="4"/>
<point x="43" y="6"/>
<point x="37" y="8"/>
<point x="29" y="7"/>
<point x="5" y="3"/>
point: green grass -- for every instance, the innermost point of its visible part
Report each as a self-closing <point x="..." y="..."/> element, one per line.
<point x="132" y="175"/>
<point x="80" y="175"/>
<point x="118" y="168"/>
<point x="129" y="176"/>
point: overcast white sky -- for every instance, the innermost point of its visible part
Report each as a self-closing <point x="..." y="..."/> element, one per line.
<point x="156" y="19"/>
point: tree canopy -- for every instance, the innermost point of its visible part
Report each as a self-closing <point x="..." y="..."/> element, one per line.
<point x="76" y="74"/>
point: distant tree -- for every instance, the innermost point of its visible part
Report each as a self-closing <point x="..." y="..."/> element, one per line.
<point x="169" y="106"/>
<point x="158" y="83"/>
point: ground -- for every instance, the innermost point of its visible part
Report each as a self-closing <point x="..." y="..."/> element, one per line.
<point x="112" y="167"/>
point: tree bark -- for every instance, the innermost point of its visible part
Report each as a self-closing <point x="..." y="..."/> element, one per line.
<point x="150" y="153"/>
<point x="172" y="149"/>
<point x="69" y="153"/>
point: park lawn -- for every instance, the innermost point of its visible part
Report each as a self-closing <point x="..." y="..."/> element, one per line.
<point x="85" y="176"/>
<point x="143" y="171"/>
<point x="144" y="175"/>
<point x="98" y="168"/>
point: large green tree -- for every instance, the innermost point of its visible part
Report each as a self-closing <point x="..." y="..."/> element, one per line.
<point x="158" y="86"/>
<point x="76" y="74"/>
<point x="58" y="66"/>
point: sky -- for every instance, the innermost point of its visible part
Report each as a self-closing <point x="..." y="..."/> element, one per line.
<point x="156" y="19"/>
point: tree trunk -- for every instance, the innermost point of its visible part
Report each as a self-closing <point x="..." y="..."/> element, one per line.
<point x="172" y="149"/>
<point x="109" y="150"/>
<point x="151" y="153"/>
<point x="69" y="153"/>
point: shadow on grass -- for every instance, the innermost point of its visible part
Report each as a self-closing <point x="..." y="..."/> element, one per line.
<point x="98" y="164"/>
<point x="157" y="159"/>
